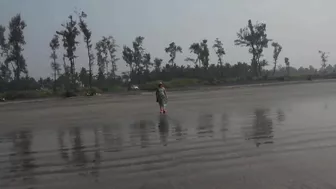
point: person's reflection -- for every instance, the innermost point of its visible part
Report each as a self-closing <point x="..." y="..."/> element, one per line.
<point x="262" y="128"/>
<point x="205" y="127"/>
<point x="163" y="129"/>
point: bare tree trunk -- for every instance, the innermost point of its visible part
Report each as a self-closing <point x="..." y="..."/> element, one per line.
<point x="55" y="76"/>
<point x="130" y="80"/>
<point x="90" y="66"/>
<point x="90" y="76"/>
<point x="254" y="67"/>
<point x="107" y="71"/>
<point x="72" y="72"/>
<point x="258" y="66"/>
<point x="54" y="85"/>
<point x="254" y="62"/>
<point x="17" y="70"/>
<point x="275" y="63"/>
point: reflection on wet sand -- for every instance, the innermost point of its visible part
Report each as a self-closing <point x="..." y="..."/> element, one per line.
<point x="78" y="157"/>
<point x="97" y="155"/>
<point x="205" y="127"/>
<point x="113" y="138"/>
<point x="281" y="116"/>
<point x="64" y="151"/>
<point x="83" y="150"/>
<point x="262" y="128"/>
<point x="224" y="125"/>
<point x="22" y="161"/>
<point x="163" y="129"/>
<point x="170" y="151"/>
<point x="140" y="131"/>
<point x="178" y="131"/>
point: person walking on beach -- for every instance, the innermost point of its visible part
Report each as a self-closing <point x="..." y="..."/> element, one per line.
<point x="161" y="97"/>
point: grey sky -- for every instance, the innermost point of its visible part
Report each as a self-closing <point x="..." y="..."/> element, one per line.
<point x="302" y="27"/>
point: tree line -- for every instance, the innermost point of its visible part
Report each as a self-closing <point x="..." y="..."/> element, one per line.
<point x="142" y="66"/>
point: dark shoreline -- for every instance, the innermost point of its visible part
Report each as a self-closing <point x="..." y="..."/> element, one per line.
<point x="184" y="89"/>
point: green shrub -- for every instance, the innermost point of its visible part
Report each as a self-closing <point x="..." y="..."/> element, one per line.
<point x="69" y="93"/>
<point x="177" y="83"/>
<point x="150" y="86"/>
<point x="174" y="83"/>
<point x="109" y="88"/>
<point x="281" y="78"/>
<point x="92" y="91"/>
<point x="14" y="95"/>
<point x="82" y="91"/>
<point x="115" y="88"/>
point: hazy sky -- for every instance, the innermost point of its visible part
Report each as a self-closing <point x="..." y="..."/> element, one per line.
<point x="302" y="27"/>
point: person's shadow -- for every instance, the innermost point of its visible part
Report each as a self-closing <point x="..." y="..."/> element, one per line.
<point x="163" y="129"/>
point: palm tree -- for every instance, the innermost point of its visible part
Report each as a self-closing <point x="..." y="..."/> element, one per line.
<point x="172" y="49"/>
<point x="157" y="64"/>
<point x="54" y="45"/>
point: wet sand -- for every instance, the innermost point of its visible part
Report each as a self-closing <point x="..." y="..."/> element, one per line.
<point x="260" y="137"/>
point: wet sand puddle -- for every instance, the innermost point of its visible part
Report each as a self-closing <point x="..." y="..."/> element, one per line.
<point x="288" y="146"/>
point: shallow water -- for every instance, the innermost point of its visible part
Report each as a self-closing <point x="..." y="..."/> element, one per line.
<point x="279" y="144"/>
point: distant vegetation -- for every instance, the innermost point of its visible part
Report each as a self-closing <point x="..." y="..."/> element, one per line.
<point x="144" y="68"/>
